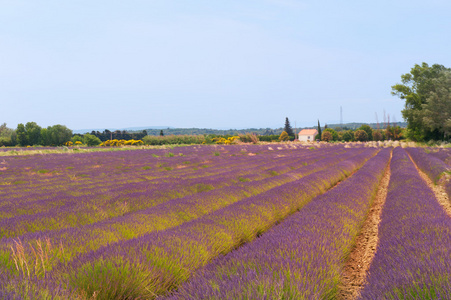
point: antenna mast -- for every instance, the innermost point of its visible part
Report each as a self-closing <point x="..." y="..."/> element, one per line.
<point x="341" y="115"/>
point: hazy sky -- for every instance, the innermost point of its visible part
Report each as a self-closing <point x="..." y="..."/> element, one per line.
<point x="214" y="64"/>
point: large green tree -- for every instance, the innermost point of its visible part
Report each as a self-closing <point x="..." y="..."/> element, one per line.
<point x="436" y="111"/>
<point x="28" y="134"/>
<point x="416" y="88"/>
<point x="33" y="132"/>
<point x="58" y="135"/>
<point x="21" y="134"/>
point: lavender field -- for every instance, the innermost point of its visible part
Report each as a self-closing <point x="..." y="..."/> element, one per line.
<point x="220" y="222"/>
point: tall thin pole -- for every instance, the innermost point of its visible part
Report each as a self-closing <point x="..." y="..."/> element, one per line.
<point x="295" y="131"/>
<point x="341" y="115"/>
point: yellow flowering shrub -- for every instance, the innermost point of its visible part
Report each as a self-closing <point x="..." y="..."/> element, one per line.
<point x="226" y="141"/>
<point x="117" y="143"/>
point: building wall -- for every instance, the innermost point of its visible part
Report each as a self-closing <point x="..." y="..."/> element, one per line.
<point x="305" y="138"/>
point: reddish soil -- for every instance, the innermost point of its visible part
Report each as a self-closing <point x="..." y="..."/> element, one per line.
<point x="439" y="190"/>
<point x="359" y="260"/>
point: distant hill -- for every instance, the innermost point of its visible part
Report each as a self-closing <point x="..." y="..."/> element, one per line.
<point x="258" y="131"/>
<point x="197" y="131"/>
<point x="81" y="131"/>
<point x="347" y="126"/>
<point x="167" y="130"/>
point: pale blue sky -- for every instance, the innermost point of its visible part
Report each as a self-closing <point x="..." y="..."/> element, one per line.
<point x="214" y="64"/>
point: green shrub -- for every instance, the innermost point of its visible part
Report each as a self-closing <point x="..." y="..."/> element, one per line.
<point x="268" y="138"/>
<point x="326" y="136"/>
<point x="348" y="136"/>
<point x="368" y="130"/>
<point x="91" y="140"/>
<point x="77" y="138"/>
<point x="333" y="132"/>
<point x="377" y="135"/>
<point x="361" y="136"/>
<point x="249" y="138"/>
<point x="174" y="140"/>
<point x="6" y="141"/>
<point x="284" y="136"/>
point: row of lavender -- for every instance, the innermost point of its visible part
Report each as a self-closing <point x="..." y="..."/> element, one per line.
<point x="50" y="170"/>
<point x="159" y="217"/>
<point x="98" y="202"/>
<point x="433" y="165"/>
<point x="155" y="262"/>
<point x="303" y="257"/>
<point x="132" y="225"/>
<point x="98" y="165"/>
<point x="413" y="256"/>
<point x="441" y="153"/>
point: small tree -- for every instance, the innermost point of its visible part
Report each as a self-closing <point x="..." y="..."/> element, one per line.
<point x="361" y="136"/>
<point x="22" y="138"/>
<point x="284" y="136"/>
<point x="161" y="132"/>
<point x="348" y="136"/>
<point x="288" y="128"/>
<point x="91" y="140"/>
<point x="326" y="136"/>
<point x="5" y="141"/>
<point x="333" y="132"/>
<point x="377" y="135"/>
<point x="393" y="133"/>
<point x="368" y="131"/>
<point x="77" y="138"/>
<point x="5" y="131"/>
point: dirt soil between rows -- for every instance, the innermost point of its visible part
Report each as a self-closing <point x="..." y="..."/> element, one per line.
<point x="439" y="190"/>
<point x="359" y="260"/>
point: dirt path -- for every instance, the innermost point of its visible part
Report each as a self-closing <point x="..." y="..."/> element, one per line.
<point x="439" y="190"/>
<point x="354" y="272"/>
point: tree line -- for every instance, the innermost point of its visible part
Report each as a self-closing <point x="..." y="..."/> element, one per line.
<point x="119" y="135"/>
<point x="362" y="134"/>
<point x="30" y="134"/>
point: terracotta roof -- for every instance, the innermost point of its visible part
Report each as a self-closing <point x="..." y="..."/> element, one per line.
<point x="308" y="132"/>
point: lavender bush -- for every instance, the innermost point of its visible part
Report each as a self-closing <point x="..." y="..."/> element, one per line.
<point x="429" y="164"/>
<point x="156" y="263"/>
<point x="302" y="257"/>
<point x="45" y="193"/>
<point x="413" y="256"/>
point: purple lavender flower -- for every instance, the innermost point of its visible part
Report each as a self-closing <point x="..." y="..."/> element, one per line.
<point x="413" y="257"/>
<point x="302" y="257"/>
